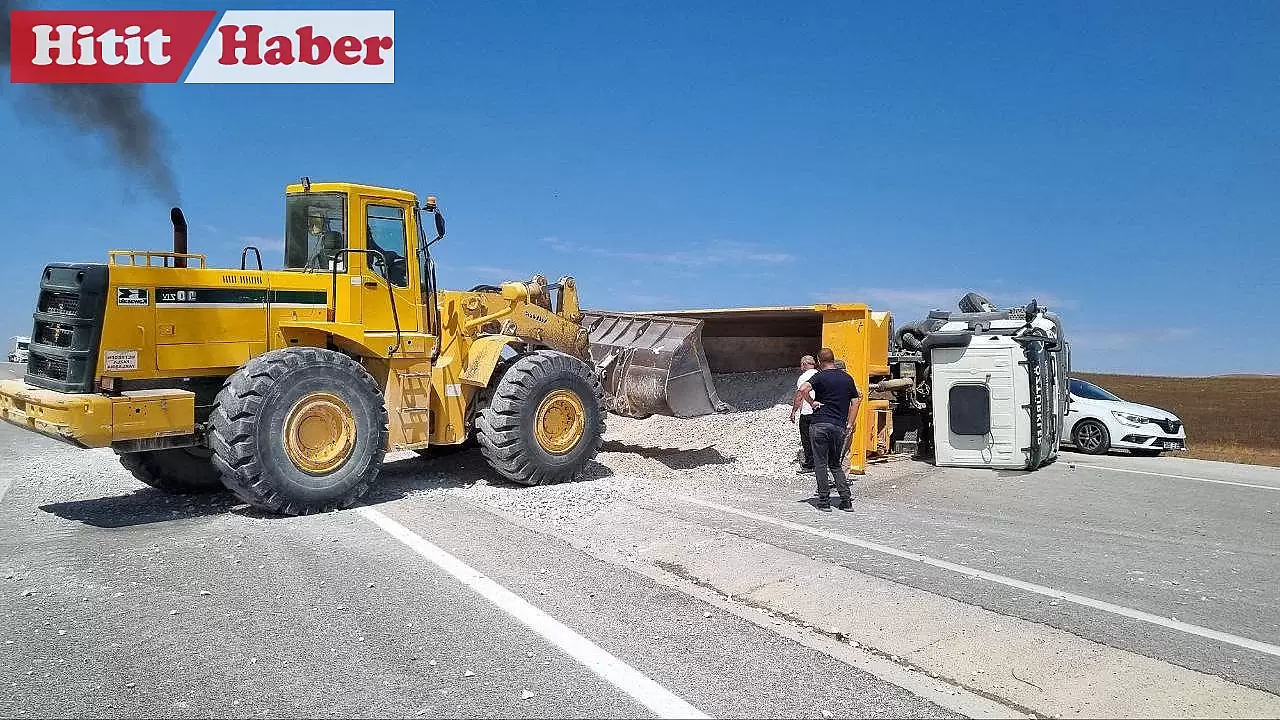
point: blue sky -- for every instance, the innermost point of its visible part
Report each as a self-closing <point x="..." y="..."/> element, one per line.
<point x="1120" y="161"/>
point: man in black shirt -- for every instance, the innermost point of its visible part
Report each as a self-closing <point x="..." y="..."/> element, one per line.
<point x="834" y="418"/>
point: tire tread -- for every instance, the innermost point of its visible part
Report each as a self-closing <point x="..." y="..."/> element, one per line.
<point x="166" y="470"/>
<point x="232" y="437"/>
<point x="498" y="425"/>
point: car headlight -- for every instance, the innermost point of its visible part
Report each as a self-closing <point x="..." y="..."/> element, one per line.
<point x="1130" y="418"/>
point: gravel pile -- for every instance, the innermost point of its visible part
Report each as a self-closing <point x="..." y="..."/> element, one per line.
<point x="755" y="445"/>
<point x="757" y="439"/>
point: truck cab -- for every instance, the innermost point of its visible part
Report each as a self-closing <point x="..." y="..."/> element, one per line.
<point x="21" y="346"/>
<point x="990" y="386"/>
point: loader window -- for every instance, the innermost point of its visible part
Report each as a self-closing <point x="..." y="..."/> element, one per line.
<point x="315" y="227"/>
<point x="387" y="231"/>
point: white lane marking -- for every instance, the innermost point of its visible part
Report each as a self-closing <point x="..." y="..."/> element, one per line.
<point x="1188" y="628"/>
<point x="622" y="676"/>
<point x="1180" y="477"/>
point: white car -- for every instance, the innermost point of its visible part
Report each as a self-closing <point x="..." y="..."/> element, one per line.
<point x="1098" y="421"/>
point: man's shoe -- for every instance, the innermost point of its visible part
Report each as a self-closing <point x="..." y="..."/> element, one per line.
<point x="804" y="470"/>
<point x="823" y="504"/>
<point x="846" y="505"/>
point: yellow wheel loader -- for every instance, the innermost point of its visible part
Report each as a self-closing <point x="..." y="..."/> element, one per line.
<point x="289" y="386"/>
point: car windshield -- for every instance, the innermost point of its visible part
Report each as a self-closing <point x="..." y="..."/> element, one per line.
<point x="1089" y="391"/>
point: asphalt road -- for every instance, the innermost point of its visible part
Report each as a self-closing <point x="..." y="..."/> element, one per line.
<point x="1199" y="552"/>
<point x="119" y="600"/>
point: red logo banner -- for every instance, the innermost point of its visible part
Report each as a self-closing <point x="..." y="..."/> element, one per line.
<point x="104" y="46"/>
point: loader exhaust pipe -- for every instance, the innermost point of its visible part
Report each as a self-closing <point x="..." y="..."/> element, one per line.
<point x="179" y="236"/>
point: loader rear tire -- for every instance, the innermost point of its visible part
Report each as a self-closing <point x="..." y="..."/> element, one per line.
<point x="544" y="421"/>
<point x="181" y="471"/>
<point x="299" y="431"/>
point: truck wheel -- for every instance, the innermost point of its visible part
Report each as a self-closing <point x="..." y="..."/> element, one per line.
<point x="180" y="471"/>
<point x="299" y="430"/>
<point x="545" y="420"/>
<point x="1091" y="437"/>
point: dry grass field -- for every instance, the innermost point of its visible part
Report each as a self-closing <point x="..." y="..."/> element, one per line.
<point x="1228" y="418"/>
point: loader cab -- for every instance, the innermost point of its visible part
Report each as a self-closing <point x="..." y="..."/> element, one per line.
<point x="370" y="240"/>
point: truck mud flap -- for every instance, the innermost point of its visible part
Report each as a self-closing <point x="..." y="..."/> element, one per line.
<point x="652" y="365"/>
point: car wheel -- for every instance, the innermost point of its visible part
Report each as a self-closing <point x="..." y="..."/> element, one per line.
<point x="1091" y="437"/>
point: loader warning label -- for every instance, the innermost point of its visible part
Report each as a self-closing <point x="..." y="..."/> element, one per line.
<point x="132" y="296"/>
<point x="121" y="360"/>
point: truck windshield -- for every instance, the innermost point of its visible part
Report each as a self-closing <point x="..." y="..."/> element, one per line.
<point x="22" y="345"/>
<point x="315" y="227"/>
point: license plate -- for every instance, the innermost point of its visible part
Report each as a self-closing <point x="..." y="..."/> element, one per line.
<point x="1172" y="445"/>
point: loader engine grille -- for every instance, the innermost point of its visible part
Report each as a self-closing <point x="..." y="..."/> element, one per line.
<point x="68" y="327"/>
<point x="55" y="302"/>
<point x="54" y="368"/>
<point x="55" y="334"/>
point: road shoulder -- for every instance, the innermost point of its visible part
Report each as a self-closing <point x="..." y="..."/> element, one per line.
<point x="1036" y="668"/>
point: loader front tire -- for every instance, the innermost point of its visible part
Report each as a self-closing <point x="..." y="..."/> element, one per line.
<point x="544" y="421"/>
<point x="299" y="431"/>
<point x="181" y="471"/>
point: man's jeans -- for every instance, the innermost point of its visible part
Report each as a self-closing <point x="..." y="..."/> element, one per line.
<point x="805" y="442"/>
<point x="828" y="441"/>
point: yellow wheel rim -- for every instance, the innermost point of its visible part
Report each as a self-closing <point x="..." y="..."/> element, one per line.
<point x="559" y="422"/>
<point x="319" y="433"/>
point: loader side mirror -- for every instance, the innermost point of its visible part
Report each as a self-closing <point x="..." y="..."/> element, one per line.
<point x="430" y="206"/>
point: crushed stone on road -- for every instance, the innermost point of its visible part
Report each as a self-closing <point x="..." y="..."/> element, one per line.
<point x="754" y="447"/>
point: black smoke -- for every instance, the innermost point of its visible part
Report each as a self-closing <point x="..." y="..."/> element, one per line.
<point x="117" y="112"/>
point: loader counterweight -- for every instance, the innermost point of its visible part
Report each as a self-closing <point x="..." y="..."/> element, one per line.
<point x="92" y="420"/>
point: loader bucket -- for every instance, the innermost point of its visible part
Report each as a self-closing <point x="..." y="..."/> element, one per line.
<point x="652" y="365"/>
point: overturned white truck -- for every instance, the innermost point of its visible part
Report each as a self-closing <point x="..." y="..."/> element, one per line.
<point x="988" y="387"/>
<point x="983" y="387"/>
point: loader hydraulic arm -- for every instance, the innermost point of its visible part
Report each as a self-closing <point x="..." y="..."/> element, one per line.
<point x="524" y="310"/>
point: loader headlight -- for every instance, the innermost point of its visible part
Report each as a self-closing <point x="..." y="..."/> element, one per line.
<point x="1130" y="418"/>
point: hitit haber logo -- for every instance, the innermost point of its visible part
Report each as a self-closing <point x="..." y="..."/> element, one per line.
<point x="146" y="46"/>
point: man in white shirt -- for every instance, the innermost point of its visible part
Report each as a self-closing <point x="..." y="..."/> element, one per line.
<point x="808" y="366"/>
